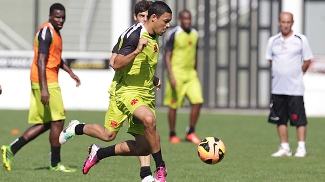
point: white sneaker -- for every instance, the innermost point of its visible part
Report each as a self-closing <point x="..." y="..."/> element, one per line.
<point x="282" y="152"/>
<point x="301" y="152"/>
<point x="68" y="132"/>
<point x="148" y="179"/>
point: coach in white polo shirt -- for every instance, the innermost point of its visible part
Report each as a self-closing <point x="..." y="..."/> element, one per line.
<point x="289" y="54"/>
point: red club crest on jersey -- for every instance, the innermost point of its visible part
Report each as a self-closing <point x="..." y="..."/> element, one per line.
<point x="113" y="124"/>
<point x="190" y="43"/>
<point x="134" y="101"/>
<point x="173" y="101"/>
<point x="155" y="47"/>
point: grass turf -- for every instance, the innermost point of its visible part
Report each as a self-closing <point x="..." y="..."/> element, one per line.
<point x="249" y="140"/>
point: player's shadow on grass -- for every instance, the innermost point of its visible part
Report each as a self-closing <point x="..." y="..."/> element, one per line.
<point x="42" y="168"/>
<point x="48" y="168"/>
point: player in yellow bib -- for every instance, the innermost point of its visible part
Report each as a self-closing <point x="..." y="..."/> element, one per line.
<point x="136" y="61"/>
<point x="181" y="64"/>
<point x="114" y="117"/>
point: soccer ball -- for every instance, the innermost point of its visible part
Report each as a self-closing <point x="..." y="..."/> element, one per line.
<point x="211" y="150"/>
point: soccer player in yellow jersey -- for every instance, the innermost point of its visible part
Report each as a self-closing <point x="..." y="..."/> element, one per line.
<point x="136" y="61"/>
<point x="46" y="110"/>
<point x="114" y="117"/>
<point x="181" y="64"/>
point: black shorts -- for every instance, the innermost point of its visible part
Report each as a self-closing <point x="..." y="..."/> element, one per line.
<point x="285" y="107"/>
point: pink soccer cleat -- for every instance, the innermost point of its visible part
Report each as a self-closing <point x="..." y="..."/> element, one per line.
<point x="91" y="159"/>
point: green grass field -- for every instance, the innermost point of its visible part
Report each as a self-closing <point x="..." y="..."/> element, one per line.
<point x="249" y="140"/>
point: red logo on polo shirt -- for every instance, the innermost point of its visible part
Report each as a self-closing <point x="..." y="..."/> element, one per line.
<point x="190" y="43"/>
<point x="155" y="47"/>
<point x="134" y="101"/>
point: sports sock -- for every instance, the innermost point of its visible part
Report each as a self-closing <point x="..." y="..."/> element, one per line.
<point x="285" y="146"/>
<point x="55" y="155"/>
<point x="106" y="152"/>
<point x="301" y="144"/>
<point x="79" y="130"/>
<point x="158" y="159"/>
<point x="172" y="133"/>
<point x="190" y="129"/>
<point x="145" y="171"/>
<point x="17" y="144"/>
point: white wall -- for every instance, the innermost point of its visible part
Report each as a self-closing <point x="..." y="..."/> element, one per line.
<point x="314" y="94"/>
<point x="122" y="19"/>
<point x="93" y="92"/>
<point x="91" y="95"/>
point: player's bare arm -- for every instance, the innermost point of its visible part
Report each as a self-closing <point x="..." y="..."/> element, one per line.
<point x="168" y="57"/>
<point x="0" y="90"/>
<point x="41" y="63"/>
<point x="305" y="66"/>
<point x="112" y="60"/>
<point x="122" y="61"/>
<point x="156" y="81"/>
<point x="66" y="68"/>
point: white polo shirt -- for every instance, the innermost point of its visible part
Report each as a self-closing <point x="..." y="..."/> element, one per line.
<point x="287" y="56"/>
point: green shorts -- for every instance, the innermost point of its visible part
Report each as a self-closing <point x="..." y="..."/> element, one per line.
<point x="191" y="88"/>
<point x="127" y="103"/>
<point x="114" y="118"/>
<point x="40" y="114"/>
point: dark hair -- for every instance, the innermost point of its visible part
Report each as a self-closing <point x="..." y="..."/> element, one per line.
<point x="142" y="6"/>
<point x="158" y="8"/>
<point x="183" y="11"/>
<point x="56" y="6"/>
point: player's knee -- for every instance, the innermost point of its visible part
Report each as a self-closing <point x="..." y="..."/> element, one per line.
<point x="149" y="122"/>
<point x="108" y="136"/>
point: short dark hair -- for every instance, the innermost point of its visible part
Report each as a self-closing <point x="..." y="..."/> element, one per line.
<point x="56" y="6"/>
<point x="158" y="8"/>
<point x="142" y="6"/>
<point x="184" y="11"/>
